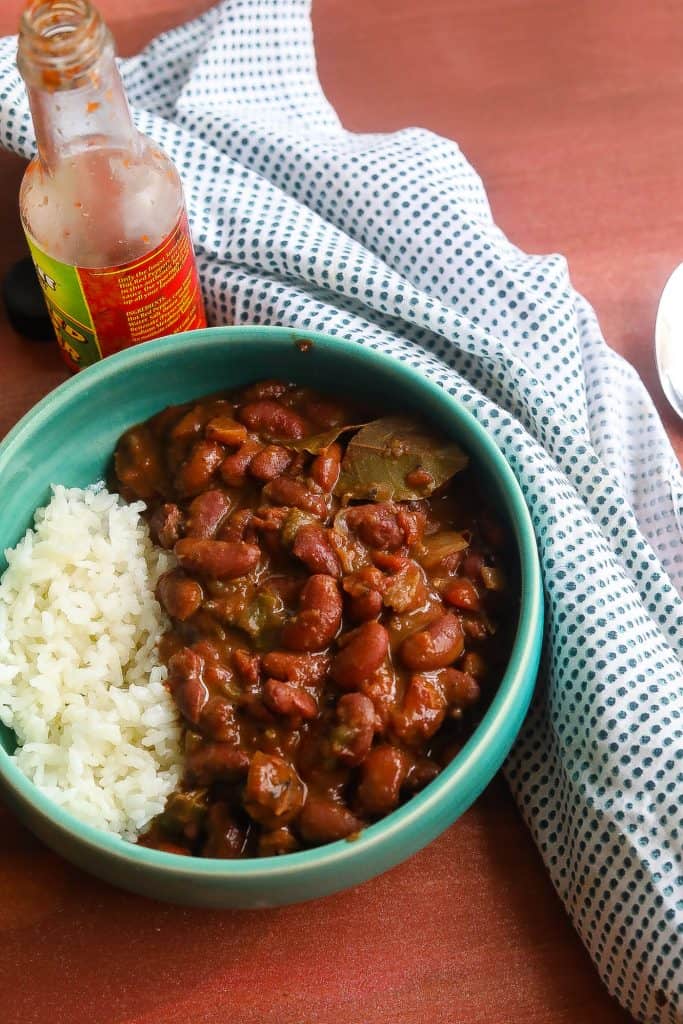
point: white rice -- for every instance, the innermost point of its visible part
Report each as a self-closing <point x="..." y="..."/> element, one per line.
<point x="80" y="680"/>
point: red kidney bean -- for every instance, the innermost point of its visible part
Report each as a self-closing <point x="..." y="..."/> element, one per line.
<point x="406" y="589"/>
<point x="376" y="525"/>
<point x="420" y="479"/>
<point x="474" y="627"/>
<point x="412" y="522"/>
<point x="286" y="699"/>
<point x="247" y="666"/>
<point x="382" y="775"/>
<point x="269" y="417"/>
<point x="269" y="463"/>
<point x="421" y="772"/>
<point x="206" y="513"/>
<point x="390" y="562"/>
<point x="270" y="519"/>
<point x="326" y="466"/>
<point x="274" y="793"/>
<point x="323" y="821"/>
<point x="215" y="762"/>
<point x="461" y="688"/>
<point x="357" y="584"/>
<point x="318" y="620"/>
<point x="218" y="721"/>
<point x="138" y="463"/>
<point x="186" y="683"/>
<point x="301" y="669"/>
<point x="226" y="431"/>
<point x="382" y="687"/>
<point x="166" y="525"/>
<point x="423" y="711"/>
<point x="275" y="843"/>
<point x="351" y="739"/>
<point x="196" y="472"/>
<point x="363" y="652"/>
<point x="218" y="677"/>
<point x="179" y="595"/>
<point x="238" y="526"/>
<point x="364" y="589"/>
<point x="207" y="650"/>
<point x="234" y="467"/>
<point x="225" y="838"/>
<point x="435" y="646"/>
<point x="462" y="593"/>
<point x="264" y="389"/>
<point x="313" y="548"/>
<point x="472" y="664"/>
<point x="365" y="606"/>
<point x="293" y="493"/>
<point x="218" y="558"/>
<point x="190" y="697"/>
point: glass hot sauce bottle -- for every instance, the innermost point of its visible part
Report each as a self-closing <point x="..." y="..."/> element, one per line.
<point x="101" y="205"/>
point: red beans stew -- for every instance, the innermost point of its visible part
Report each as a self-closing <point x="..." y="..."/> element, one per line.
<point x="341" y="612"/>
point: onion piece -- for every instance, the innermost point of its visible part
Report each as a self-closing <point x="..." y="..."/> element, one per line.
<point x="436" y="549"/>
<point x="493" y="578"/>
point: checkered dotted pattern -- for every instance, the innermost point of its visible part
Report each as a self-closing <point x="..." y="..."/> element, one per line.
<point x="388" y="240"/>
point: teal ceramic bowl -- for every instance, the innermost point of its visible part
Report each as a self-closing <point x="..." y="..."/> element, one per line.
<point x="69" y="438"/>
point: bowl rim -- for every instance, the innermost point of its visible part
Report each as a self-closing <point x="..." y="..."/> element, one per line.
<point x="514" y="691"/>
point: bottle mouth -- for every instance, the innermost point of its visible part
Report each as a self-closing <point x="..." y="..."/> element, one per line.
<point x="59" y="42"/>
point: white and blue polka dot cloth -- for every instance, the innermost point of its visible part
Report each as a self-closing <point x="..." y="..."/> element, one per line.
<point x="388" y="240"/>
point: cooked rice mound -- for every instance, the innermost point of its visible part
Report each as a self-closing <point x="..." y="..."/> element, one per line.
<point x="80" y="679"/>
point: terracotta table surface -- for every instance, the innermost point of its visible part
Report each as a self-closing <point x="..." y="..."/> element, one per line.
<point x="568" y="113"/>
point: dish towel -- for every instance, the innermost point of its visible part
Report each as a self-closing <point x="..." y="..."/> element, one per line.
<point x="388" y="240"/>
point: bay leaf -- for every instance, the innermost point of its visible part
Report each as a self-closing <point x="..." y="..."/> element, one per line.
<point x="316" y="443"/>
<point x="385" y="452"/>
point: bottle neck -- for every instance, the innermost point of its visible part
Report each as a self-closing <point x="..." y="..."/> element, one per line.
<point x="66" y="57"/>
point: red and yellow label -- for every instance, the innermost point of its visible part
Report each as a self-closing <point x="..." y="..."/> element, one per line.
<point x="98" y="311"/>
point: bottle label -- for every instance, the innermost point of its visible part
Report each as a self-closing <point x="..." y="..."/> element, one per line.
<point x="98" y="311"/>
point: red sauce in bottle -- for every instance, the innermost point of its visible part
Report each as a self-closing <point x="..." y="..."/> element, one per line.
<point x="102" y="206"/>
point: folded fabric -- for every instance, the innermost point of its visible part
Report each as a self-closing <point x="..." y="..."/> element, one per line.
<point x="388" y="240"/>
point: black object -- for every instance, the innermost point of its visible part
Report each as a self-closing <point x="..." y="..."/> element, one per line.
<point x="24" y="302"/>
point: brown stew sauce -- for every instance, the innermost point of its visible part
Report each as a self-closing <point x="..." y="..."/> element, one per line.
<point x="328" y="654"/>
